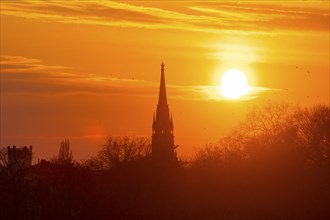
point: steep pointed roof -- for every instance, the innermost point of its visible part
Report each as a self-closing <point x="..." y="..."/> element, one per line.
<point x="162" y="100"/>
<point x="162" y="127"/>
<point x="162" y="113"/>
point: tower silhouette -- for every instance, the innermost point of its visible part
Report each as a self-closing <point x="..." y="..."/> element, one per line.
<point x="163" y="148"/>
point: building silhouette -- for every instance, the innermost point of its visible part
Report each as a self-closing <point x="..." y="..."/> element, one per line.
<point x="19" y="158"/>
<point x="163" y="148"/>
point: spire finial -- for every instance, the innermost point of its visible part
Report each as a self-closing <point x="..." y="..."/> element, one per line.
<point x="162" y="89"/>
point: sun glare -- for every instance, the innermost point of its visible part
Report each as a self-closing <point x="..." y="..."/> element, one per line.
<point x="233" y="84"/>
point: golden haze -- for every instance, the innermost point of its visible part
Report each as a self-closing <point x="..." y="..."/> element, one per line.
<point x="77" y="69"/>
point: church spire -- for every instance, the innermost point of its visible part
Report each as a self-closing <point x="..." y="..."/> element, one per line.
<point x="163" y="148"/>
<point x="162" y="100"/>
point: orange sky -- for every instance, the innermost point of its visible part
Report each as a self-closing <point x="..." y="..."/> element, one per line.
<point x="84" y="70"/>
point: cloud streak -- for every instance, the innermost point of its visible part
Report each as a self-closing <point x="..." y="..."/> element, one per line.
<point x="25" y="75"/>
<point x="22" y="75"/>
<point x="193" y="16"/>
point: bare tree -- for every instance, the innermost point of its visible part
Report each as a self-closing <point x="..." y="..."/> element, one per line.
<point x="210" y="155"/>
<point x="65" y="154"/>
<point x="314" y="134"/>
<point x="268" y="120"/>
<point x="119" y="150"/>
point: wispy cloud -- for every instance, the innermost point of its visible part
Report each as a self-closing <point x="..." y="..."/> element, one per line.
<point x="249" y="15"/>
<point x="23" y="64"/>
<point x="97" y="13"/>
<point x="23" y="75"/>
<point x="193" y="16"/>
<point x="213" y="93"/>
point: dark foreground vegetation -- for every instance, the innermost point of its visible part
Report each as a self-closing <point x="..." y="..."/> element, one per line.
<point x="275" y="165"/>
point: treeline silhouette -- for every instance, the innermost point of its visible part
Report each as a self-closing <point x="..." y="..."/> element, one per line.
<point x="275" y="165"/>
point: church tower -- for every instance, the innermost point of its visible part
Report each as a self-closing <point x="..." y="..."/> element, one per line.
<point x="163" y="148"/>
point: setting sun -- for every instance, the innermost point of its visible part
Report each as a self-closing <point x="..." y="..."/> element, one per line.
<point x="233" y="84"/>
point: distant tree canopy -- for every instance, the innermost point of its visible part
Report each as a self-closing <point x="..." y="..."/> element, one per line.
<point x="120" y="150"/>
<point x="274" y="165"/>
<point x="276" y="129"/>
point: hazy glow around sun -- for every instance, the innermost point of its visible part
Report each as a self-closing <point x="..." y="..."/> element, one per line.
<point x="234" y="84"/>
